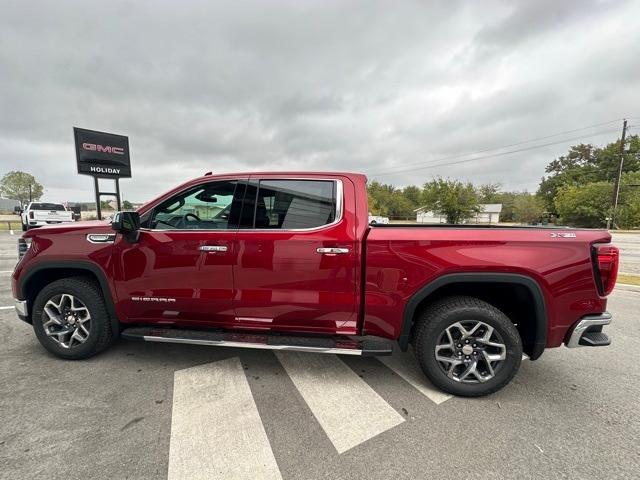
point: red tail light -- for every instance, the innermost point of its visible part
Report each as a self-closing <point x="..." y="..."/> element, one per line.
<point x="605" y="263"/>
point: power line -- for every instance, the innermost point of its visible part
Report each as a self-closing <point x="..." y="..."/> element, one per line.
<point x="451" y="157"/>
<point x="533" y="147"/>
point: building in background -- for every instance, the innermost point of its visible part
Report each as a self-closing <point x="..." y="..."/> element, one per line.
<point x="490" y="214"/>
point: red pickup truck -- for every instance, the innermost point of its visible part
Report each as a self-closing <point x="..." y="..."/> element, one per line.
<point x="289" y="261"/>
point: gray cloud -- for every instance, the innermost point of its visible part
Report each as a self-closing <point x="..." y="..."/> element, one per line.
<point x="366" y="86"/>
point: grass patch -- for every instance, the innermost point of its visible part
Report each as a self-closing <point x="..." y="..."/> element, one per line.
<point x="6" y="226"/>
<point x="629" y="279"/>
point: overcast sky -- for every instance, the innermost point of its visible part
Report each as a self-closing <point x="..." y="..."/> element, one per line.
<point x="377" y="87"/>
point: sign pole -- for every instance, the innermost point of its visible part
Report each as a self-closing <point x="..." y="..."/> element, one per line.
<point x="118" y="194"/>
<point x="97" y="189"/>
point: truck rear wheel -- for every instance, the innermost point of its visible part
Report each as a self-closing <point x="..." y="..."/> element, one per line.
<point x="70" y="318"/>
<point x="467" y="347"/>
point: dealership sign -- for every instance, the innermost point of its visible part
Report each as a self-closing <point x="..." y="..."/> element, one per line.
<point x="102" y="154"/>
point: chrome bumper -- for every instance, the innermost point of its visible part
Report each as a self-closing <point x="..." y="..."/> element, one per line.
<point x="584" y="324"/>
<point x="21" y="307"/>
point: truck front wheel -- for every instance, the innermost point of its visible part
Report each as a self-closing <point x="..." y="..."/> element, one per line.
<point x="70" y="318"/>
<point x="466" y="346"/>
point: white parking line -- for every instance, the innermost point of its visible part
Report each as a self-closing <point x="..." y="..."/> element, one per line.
<point x="406" y="365"/>
<point x="6" y="271"/>
<point x="347" y="408"/>
<point x="6" y="308"/>
<point x="216" y="430"/>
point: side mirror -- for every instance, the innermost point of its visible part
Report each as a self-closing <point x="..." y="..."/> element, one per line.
<point x="128" y="224"/>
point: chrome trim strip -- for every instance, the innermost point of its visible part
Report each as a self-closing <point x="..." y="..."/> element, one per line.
<point x="21" y="307"/>
<point x="339" y="213"/>
<point x="213" y="248"/>
<point x="331" y="250"/>
<point x="261" y="346"/>
<point x="101" y="237"/>
<point x="584" y="323"/>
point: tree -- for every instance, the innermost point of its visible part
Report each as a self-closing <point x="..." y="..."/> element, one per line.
<point x="414" y="195"/>
<point x="585" y="164"/>
<point x="489" y="193"/>
<point x="585" y="205"/>
<point x="455" y="200"/>
<point x="126" y="204"/>
<point x="527" y="208"/>
<point x="389" y="201"/>
<point x="15" y="185"/>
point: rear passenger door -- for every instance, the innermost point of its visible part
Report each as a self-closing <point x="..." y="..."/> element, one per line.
<point x="297" y="257"/>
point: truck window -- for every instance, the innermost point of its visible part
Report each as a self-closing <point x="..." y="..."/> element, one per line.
<point x="291" y="204"/>
<point x="209" y="206"/>
<point x="48" y="206"/>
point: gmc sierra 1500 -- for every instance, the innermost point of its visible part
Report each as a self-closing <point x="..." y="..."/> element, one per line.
<point x="289" y="261"/>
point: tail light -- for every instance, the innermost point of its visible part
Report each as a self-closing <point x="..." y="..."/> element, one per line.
<point x="30" y="214"/>
<point x="605" y="265"/>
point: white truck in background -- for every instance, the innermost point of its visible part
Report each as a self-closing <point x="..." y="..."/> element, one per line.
<point x="38" y="214"/>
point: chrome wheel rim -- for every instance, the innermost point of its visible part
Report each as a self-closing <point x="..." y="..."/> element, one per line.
<point x="470" y="351"/>
<point x="66" y="320"/>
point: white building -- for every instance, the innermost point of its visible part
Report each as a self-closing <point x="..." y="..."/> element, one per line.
<point x="490" y="214"/>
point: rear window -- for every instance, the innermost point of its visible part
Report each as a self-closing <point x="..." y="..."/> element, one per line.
<point x="291" y="204"/>
<point x="48" y="206"/>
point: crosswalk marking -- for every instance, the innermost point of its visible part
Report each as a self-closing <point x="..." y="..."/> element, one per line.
<point x="216" y="430"/>
<point x="406" y="365"/>
<point x="346" y="407"/>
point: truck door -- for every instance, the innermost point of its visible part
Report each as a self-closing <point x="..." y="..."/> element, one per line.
<point x="181" y="269"/>
<point x="297" y="257"/>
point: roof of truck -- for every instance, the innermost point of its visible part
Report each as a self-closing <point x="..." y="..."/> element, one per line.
<point x="295" y="172"/>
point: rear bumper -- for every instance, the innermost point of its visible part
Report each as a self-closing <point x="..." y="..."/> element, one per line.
<point x="586" y="324"/>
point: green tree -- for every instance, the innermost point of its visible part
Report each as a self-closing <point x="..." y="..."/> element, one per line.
<point x="489" y="193"/>
<point x="585" y="205"/>
<point x="414" y="195"/>
<point x="388" y="201"/>
<point x="455" y="200"/>
<point x="585" y="164"/>
<point x="527" y="208"/>
<point x="15" y="185"/>
<point x="126" y="204"/>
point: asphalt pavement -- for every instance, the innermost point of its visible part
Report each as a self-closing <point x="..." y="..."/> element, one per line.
<point x="147" y="411"/>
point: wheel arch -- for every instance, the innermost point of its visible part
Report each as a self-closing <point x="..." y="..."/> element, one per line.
<point x="32" y="281"/>
<point x="432" y="290"/>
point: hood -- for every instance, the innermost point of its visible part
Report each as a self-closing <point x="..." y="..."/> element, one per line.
<point x="97" y="226"/>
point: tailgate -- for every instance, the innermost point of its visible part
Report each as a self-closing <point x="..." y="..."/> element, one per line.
<point x="53" y="215"/>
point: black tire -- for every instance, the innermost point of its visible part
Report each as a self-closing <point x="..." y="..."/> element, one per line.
<point x="24" y="227"/>
<point x="442" y="314"/>
<point x="101" y="334"/>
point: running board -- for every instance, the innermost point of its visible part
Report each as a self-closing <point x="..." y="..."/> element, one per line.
<point x="342" y="346"/>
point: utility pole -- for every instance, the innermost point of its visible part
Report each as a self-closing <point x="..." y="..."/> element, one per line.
<point x="616" y="182"/>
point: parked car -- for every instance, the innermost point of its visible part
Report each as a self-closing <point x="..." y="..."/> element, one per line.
<point x="288" y="261"/>
<point x="38" y="214"/>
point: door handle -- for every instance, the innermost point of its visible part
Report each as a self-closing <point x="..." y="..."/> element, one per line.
<point x="332" y="250"/>
<point x="213" y="248"/>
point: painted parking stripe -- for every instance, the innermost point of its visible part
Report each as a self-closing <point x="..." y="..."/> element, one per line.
<point x="216" y="430"/>
<point x="6" y="308"/>
<point x="406" y="365"/>
<point x="346" y="407"/>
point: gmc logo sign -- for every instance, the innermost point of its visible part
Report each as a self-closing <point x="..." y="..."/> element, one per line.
<point x="106" y="149"/>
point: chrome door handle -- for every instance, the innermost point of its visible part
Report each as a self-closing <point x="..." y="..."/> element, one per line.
<point x="331" y="250"/>
<point x="213" y="248"/>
